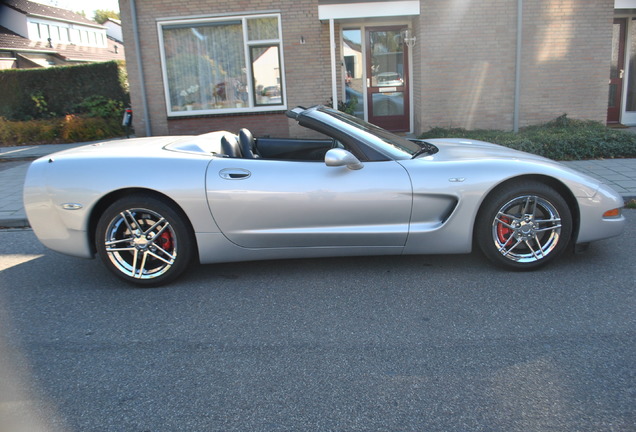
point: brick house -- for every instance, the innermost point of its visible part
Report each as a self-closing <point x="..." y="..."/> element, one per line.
<point x="406" y="65"/>
<point x="33" y="35"/>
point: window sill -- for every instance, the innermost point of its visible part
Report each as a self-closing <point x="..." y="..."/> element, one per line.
<point x="227" y="111"/>
<point x="216" y="113"/>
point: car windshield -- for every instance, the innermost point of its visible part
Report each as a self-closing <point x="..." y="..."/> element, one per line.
<point x="396" y="146"/>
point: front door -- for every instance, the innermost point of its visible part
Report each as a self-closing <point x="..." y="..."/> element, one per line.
<point x="617" y="71"/>
<point x="387" y="78"/>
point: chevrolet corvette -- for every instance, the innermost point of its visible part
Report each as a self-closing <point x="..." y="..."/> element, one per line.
<point x="150" y="207"/>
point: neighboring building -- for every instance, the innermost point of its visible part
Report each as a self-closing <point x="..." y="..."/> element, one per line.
<point x="410" y="64"/>
<point x="113" y="30"/>
<point x="36" y="35"/>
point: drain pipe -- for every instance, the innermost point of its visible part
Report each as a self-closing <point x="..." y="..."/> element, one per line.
<point x="334" y="74"/>
<point x="515" y="121"/>
<point x="144" y="98"/>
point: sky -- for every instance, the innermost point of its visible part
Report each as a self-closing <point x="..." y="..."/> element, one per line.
<point x="88" y="6"/>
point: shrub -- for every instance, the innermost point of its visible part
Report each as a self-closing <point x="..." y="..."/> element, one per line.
<point x="99" y="106"/>
<point x="41" y="105"/>
<point x="29" y="132"/>
<point x="78" y="129"/>
<point x="71" y="128"/>
<point x="559" y="139"/>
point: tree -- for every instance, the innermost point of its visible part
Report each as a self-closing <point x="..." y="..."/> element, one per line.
<point x="101" y="15"/>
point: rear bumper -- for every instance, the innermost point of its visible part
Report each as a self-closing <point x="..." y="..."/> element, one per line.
<point x="45" y="216"/>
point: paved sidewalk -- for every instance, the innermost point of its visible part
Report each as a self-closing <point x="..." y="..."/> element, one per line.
<point x="620" y="174"/>
<point x="14" y="163"/>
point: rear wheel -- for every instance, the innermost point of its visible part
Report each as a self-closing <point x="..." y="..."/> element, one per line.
<point x="524" y="226"/>
<point x="144" y="241"/>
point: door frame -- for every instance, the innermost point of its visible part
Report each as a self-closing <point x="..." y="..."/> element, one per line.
<point x="363" y="27"/>
<point x="628" y="118"/>
<point x="399" y="123"/>
<point x="614" y="112"/>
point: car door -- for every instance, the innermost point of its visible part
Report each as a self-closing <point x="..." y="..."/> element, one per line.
<point x="260" y="203"/>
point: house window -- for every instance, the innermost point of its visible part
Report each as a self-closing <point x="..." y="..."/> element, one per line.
<point x="64" y="36"/>
<point x="55" y="33"/>
<point x="44" y="32"/>
<point x="34" y="31"/>
<point x="223" y="65"/>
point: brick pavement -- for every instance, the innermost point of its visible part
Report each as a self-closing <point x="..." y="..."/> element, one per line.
<point x="11" y="181"/>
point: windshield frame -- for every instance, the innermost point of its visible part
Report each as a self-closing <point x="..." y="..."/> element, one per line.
<point x="387" y="143"/>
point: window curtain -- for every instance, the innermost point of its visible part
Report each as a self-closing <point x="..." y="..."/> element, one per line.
<point x="206" y="66"/>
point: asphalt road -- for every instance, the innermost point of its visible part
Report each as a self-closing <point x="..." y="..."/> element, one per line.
<point x="425" y="343"/>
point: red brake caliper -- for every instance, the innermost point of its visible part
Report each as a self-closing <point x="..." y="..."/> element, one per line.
<point x="166" y="241"/>
<point x="503" y="232"/>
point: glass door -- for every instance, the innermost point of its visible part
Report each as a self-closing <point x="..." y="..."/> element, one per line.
<point x="387" y="78"/>
<point x="628" y="116"/>
<point x="354" y="72"/>
<point x="617" y="71"/>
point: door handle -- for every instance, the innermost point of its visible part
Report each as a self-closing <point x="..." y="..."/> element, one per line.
<point x="234" y="174"/>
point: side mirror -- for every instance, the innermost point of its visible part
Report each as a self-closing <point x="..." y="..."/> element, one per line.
<point x="340" y="157"/>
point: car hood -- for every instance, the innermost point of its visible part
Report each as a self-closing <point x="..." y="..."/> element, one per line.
<point x="458" y="149"/>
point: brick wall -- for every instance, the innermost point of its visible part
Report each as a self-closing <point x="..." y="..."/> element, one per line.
<point x="567" y="49"/>
<point x="466" y="60"/>
<point x="463" y="62"/>
<point x="306" y="65"/>
<point x="273" y="124"/>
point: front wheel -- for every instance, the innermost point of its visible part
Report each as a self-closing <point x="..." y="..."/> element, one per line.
<point x="144" y="241"/>
<point x="524" y="226"/>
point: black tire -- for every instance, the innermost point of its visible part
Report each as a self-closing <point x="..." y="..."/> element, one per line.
<point x="144" y="241"/>
<point x="524" y="225"/>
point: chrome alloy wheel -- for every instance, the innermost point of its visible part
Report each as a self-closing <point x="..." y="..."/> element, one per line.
<point x="141" y="243"/>
<point x="526" y="229"/>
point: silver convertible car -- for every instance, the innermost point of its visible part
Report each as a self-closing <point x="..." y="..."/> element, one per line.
<point x="150" y="207"/>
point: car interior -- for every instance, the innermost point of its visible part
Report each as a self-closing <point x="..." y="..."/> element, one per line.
<point x="244" y="145"/>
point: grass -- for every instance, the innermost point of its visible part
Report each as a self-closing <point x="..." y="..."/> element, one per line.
<point x="559" y="139"/>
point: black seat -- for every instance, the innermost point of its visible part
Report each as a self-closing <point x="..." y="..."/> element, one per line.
<point x="230" y="146"/>
<point x="248" y="144"/>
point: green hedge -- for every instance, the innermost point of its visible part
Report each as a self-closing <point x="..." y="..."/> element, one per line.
<point x="560" y="139"/>
<point x="44" y="93"/>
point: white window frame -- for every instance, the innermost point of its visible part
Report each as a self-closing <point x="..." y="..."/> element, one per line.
<point x="247" y="44"/>
<point x="64" y="32"/>
<point x="627" y="118"/>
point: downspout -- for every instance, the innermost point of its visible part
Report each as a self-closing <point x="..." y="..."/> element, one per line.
<point x="334" y="75"/>
<point x="144" y="98"/>
<point x="515" y="121"/>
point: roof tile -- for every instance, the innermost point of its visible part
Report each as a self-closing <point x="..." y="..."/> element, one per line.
<point x="10" y="41"/>
<point x="33" y="8"/>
